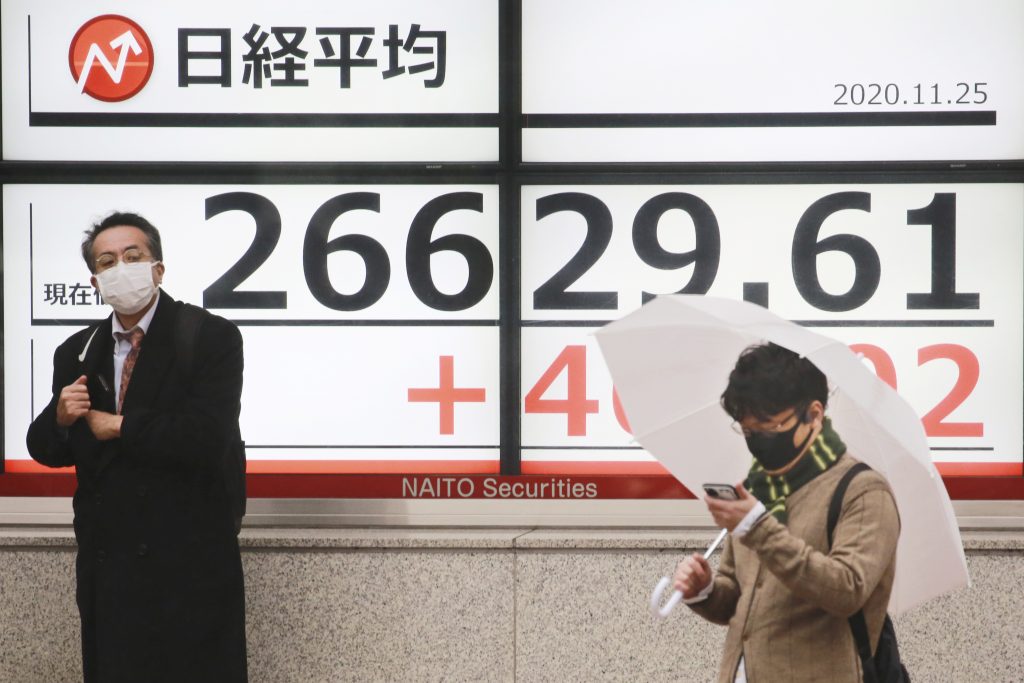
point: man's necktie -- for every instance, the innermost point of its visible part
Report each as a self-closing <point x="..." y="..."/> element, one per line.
<point x="134" y="337"/>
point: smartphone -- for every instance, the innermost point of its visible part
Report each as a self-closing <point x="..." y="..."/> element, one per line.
<point x="721" y="491"/>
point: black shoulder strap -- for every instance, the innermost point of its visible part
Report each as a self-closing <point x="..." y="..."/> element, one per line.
<point x="836" y="506"/>
<point x="858" y="625"/>
<point x="190" y="318"/>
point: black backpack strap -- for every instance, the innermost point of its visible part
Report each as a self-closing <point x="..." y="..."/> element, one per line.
<point x="858" y="625"/>
<point x="836" y="506"/>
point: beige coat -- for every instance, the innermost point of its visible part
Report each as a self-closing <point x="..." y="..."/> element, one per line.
<point x="786" y="597"/>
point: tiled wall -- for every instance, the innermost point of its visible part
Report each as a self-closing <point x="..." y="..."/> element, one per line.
<point x="488" y="605"/>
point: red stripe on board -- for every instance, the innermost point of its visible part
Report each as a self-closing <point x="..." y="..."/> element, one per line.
<point x="985" y="488"/>
<point x="618" y="468"/>
<point x="60" y="484"/>
<point x="317" y="467"/>
<point x="373" y="467"/>
<point x="980" y="469"/>
<point x="31" y="466"/>
<point x="621" y="468"/>
<point x="442" y="478"/>
<point x="478" y="487"/>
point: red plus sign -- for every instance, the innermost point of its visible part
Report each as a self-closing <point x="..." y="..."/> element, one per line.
<point x="446" y="395"/>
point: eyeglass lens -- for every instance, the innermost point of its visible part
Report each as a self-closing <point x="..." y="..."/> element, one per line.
<point x="131" y="255"/>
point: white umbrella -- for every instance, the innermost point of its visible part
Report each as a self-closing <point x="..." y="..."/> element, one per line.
<point x="670" y="361"/>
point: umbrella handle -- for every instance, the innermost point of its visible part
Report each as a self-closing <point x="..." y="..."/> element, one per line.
<point x="659" y="590"/>
<point x="656" y="596"/>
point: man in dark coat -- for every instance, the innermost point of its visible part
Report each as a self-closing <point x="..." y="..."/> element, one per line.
<point x="150" y="428"/>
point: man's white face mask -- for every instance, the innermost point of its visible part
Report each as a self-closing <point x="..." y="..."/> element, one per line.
<point x="128" y="287"/>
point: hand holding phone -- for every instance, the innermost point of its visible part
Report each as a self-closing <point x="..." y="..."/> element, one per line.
<point x="728" y="505"/>
<point x="721" y="491"/>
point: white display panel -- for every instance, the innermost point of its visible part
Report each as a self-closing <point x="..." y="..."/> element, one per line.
<point x="370" y="335"/>
<point x="257" y="81"/>
<point x="924" y="279"/>
<point x="749" y="81"/>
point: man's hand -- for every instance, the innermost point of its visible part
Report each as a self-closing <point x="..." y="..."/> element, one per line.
<point x="104" y="426"/>
<point x="73" y="402"/>
<point x="692" y="576"/>
<point x="729" y="513"/>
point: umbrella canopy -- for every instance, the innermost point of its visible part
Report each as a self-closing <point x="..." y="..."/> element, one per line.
<point x="670" y="362"/>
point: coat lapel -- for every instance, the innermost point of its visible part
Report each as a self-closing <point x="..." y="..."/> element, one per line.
<point x="155" y="357"/>
<point x="97" y="363"/>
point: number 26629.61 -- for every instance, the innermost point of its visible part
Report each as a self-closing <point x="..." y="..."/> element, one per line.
<point x="706" y="255"/>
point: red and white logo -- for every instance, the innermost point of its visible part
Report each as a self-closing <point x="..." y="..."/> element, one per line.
<point x="111" y="58"/>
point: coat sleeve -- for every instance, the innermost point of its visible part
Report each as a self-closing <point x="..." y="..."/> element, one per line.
<point x="199" y="427"/>
<point x="721" y="603"/>
<point x="863" y="547"/>
<point x="47" y="443"/>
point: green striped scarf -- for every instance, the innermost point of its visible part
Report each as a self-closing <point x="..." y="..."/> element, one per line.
<point x="824" y="452"/>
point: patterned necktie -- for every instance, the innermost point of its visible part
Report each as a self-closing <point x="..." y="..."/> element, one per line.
<point x="134" y="337"/>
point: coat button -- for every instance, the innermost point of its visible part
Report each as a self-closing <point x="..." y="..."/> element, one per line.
<point x="101" y="555"/>
<point x="143" y="491"/>
<point x="99" y="498"/>
<point x="143" y="550"/>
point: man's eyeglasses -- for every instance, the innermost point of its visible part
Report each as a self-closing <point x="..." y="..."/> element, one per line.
<point x="130" y="255"/>
<point x="774" y="428"/>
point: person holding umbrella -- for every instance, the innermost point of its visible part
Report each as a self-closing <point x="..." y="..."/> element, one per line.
<point x="785" y="591"/>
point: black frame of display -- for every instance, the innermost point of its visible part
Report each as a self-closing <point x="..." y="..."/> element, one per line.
<point x="510" y="174"/>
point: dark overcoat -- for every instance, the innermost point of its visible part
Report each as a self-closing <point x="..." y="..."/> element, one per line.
<point x="159" y="584"/>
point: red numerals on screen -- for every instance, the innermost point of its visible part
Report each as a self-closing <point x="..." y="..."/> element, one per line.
<point x="572" y="361"/>
<point x="884" y="367"/>
<point x="446" y="394"/>
<point x="967" y="379"/>
<point x="620" y="414"/>
<point x="968" y="371"/>
<point x="576" y="406"/>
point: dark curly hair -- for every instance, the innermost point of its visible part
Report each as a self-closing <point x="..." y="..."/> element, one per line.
<point x="768" y="379"/>
<point x="114" y="220"/>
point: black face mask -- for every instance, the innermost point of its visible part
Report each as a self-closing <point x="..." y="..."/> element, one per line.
<point x="776" y="450"/>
